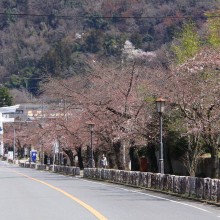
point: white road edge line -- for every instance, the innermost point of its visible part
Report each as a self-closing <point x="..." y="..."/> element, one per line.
<point x="158" y="197"/>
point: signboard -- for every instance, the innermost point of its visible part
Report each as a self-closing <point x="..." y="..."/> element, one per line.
<point x="8" y="109"/>
<point x="56" y="147"/>
<point x="1" y="128"/>
<point x="10" y="155"/>
<point x="1" y="145"/>
<point x="33" y="156"/>
<point x="1" y="124"/>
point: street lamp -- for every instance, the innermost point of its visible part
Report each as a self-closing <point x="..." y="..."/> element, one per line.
<point x="160" y="109"/>
<point x="91" y="127"/>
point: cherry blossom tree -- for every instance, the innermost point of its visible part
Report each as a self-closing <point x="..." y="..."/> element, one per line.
<point x="196" y="92"/>
<point x="115" y="99"/>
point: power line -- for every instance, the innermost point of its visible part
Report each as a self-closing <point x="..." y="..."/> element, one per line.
<point x="109" y="17"/>
<point x="26" y="77"/>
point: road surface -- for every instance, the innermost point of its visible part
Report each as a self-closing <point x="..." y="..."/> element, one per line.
<point x="28" y="194"/>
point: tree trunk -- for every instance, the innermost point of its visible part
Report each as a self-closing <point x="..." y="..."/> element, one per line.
<point x="152" y="158"/>
<point x="69" y="153"/>
<point x="111" y="160"/>
<point x="169" y="162"/>
<point x="80" y="159"/>
<point x="135" y="164"/>
<point x="117" y="146"/>
<point x="214" y="162"/>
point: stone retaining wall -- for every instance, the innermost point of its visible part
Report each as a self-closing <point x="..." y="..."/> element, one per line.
<point x="56" y="168"/>
<point x="192" y="187"/>
<point x="40" y="167"/>
<point x="65" y="170"/>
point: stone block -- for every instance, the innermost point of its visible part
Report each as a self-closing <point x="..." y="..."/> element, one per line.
<point x="158" y="180"/>
<point x="218" y="192"/>
<point x="142" y="180"/>
<point x="191" y="186"/>
<point x="131" y="179"/>
<point x="183" y="180"/>
<point x="117" y="176"/>
<point x="86" y="173"/>
<point x="164" y="182"/>
<point x="200" y="188"/>
<point x="21" y="164"/>
<point x="65" y="170"/>
<point x="137" y="178"/>
<point x="105" y="174"/>
<point x="177" y="184"/>
<point x="153" y="180"/>
<point x="170" y="183"/>
<point x="27" y="165"/>
<point x="40" y="167"/>
<point x="61" y="169"/>
<point x="145" y="179"/>
<point x="93" y="173"/>
<point x="214" y="190"/>
<point x="57" y="168"/>
<point x="96" y="173"/>
<point x="126" y="177"/>
<point x="112" y="175"/>
<point x="32" y="165"/>
<point x="102" y="174"/>
<point x="122" y="176"/>
<point x="149" y="179"/>
<point x="72" y="171"/>
<point x="207" y="188"/>
<point x="77" y="171"/>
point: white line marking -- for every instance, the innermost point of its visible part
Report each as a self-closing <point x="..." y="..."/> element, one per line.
<point x="146" y="194"/>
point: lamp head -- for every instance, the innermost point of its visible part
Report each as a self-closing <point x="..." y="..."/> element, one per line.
<point x="160" y="102"/>
<point x="91" y="125"/>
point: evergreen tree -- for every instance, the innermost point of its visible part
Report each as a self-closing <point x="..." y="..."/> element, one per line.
<point x="5" y="97"/>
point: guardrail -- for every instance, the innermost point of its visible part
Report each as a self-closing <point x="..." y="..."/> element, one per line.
<point x="206" y="189"/>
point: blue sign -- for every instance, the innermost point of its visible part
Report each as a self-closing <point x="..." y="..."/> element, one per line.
<point x="33" y="156"/>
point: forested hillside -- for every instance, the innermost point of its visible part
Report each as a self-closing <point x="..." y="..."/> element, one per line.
<point x="56" y="38"/>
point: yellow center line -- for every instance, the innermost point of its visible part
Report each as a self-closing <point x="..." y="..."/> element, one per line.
<point x="83" y="204"/>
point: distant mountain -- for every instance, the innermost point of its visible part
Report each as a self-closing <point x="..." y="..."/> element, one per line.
<point x="56" y="38"/>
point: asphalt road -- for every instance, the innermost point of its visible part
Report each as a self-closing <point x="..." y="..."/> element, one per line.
<point x="28" y="194"/>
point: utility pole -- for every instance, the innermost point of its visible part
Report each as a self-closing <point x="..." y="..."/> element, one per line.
<point x="42" y="123"/>
<point x="14" y="144"/>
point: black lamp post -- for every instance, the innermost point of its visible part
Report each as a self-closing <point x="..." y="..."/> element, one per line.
<point x="91" y="128"/>
<point x="160" y="109"/>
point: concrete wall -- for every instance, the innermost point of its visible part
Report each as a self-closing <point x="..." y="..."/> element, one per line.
<point x="192" y="187"/>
